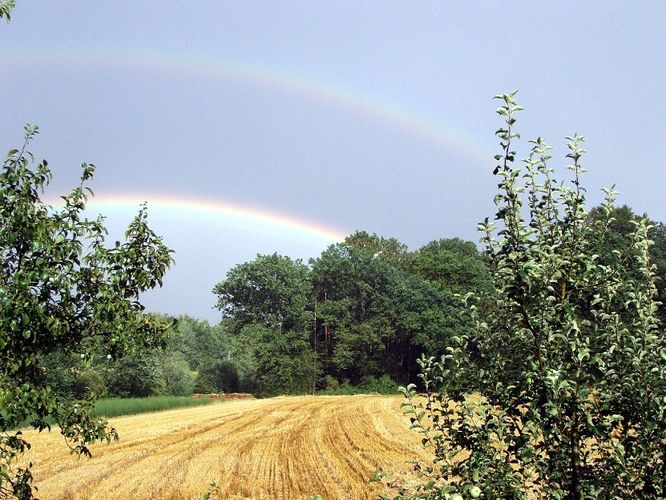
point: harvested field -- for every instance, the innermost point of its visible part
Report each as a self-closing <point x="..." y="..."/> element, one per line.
<point x="289" y="447"/>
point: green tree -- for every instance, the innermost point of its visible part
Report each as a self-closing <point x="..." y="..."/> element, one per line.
<point x="569" y="363"/>
<point x="267" y="304"/>
<point x="372" y="317"/>
<point x="284" y="361"/>
<point x="272" y="290"/>
<point x="387" y="249"/>
<point x="217" y="376"/>
<point x="71" y="376"/>
<point x="658" y="256"/>
<point x="453" y="264"/>
<point x="62" y="290"/>
<point x="197" y="340"/>
<point x="177" y="376"/>
<point x="618" y="239"/>
<point x="138" y="374"/>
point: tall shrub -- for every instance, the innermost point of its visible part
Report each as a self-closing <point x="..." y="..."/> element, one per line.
<point x="63" y="291"/>
<point x="568" y="364"/>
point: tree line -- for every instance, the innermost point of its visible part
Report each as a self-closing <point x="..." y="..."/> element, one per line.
<point x="355" y="319"/>
<point x="367" y="308"/>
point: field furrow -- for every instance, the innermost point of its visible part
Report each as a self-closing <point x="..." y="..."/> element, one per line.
<point x="289" y="447"/>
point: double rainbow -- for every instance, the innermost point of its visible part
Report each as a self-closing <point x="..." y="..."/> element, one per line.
<point x="279" y="80"/>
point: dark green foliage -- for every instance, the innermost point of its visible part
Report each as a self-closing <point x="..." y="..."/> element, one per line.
<point x="284" y="363"/>
<point x="569" y="362"/>
<point x="373" y="317"/>
<point x="357" y="312"/>
<point x="215" y="377"/>
<point x="135" y="375"/>
<point x="368" y="385"/>
<point x="389" y="250"/>
<point x="197" y="341"/>
<point x="618" y="239"/>
<point x="453" y="264"/>
<point x="71" y="376"/>
<point x="271" y="290"/>
<point x="205" y="383"/>
<point x="63" y="291"/>
<point x="381" y="385"/>
<point x="658" y="257"/>
<point x="267" y="302"/>
<point x="178" y="379"/>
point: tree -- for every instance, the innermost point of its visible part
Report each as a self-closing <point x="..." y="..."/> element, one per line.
<point x="373" y="317"/>
<point x="387" y="249"/>
<point x="177" y="378"/>
<point x="569" y="363"/>
<point x="62" y="290"/>
<point x="271" y="290"/>
<point x="71" y="376"/>
<point x="453" y="264"/>
<point x="197" y="340"/>
<point x="618" y="240"/>
<point x="658" y="256"/>
<point x="267" y="304"/>
<point x="284" y="361"/>
<point x="217" y="376"/>
<point x="136" y="375"/>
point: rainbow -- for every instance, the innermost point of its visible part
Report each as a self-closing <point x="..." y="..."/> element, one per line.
<point x="335" y="94"/>
<point x="244" y="216"/>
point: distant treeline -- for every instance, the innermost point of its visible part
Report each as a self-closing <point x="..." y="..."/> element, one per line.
<point x="354" y="319"/>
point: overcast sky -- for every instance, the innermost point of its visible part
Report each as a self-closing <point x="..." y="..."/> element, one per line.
<point x="342" y="115"/>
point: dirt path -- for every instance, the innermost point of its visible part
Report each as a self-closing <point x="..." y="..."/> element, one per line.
<point x="290" y="447"/>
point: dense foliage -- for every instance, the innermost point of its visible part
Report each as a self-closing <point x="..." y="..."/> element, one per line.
<point x="63" y="291"/>
<point x="568" y="362"/>
<point x="365" y="308"/>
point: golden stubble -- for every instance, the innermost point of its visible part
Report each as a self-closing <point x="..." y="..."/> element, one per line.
<point x="287" y="447"/>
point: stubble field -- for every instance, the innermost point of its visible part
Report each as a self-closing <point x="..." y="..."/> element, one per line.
<point x="289" y="447"/>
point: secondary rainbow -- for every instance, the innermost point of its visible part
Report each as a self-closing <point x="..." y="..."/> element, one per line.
<point x="199" y="207"/>
<point x="335" y="94"/>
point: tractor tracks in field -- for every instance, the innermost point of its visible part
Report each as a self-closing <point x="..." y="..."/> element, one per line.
<point x="287" y="447"/>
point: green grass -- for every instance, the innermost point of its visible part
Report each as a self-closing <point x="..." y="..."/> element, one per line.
<point x="115" y="407"/>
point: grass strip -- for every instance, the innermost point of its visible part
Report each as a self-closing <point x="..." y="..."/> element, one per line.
<point x="115" y="407"/>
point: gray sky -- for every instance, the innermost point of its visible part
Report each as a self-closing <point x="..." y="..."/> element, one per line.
<point x="341" y="115"/>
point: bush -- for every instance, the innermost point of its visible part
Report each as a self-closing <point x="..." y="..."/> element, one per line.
<point x="63" y="290"/>
<point x="217" y="376"/>
<point x="381" y="385"/>
<point x="368" y="385"/>
<point x="178" y="379"/>
<point x="72" y="377"/>
<point x="331" y="383"/>
<point x="568" y="361"/>
<point x="136" y="375"/>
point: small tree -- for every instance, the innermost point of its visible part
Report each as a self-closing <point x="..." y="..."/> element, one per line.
<point x="217" y="376"/>
<point x="136" y="375"/>
<point x="568" y="364"/>
<point x="62" y="290"/>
